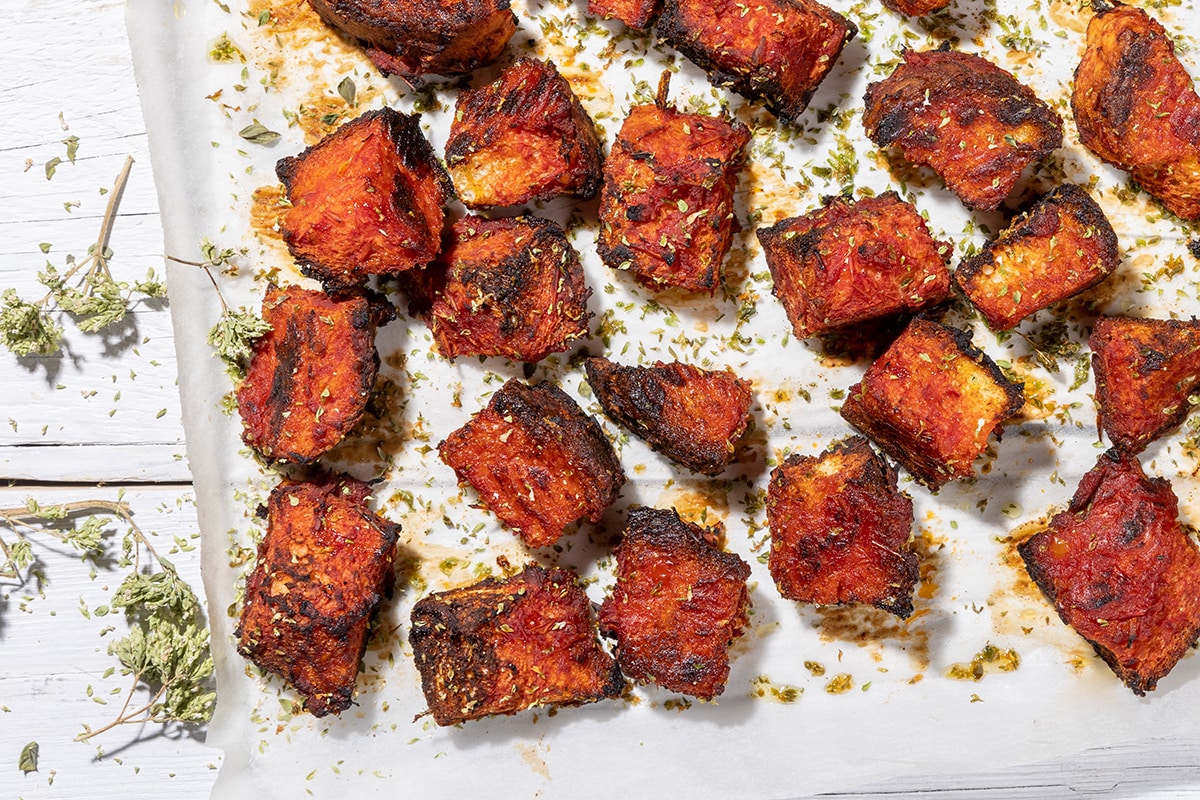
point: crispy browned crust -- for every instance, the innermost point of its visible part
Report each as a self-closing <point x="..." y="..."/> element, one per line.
<point x="415" y="38"/>
<point x="323" y="568"/>
<point x="502" y="646"/>
<point x="666" y="208"/>
<point x="776" y="51"/>
<point x="311" y="375"/>
<point x="677" y="605"/>
<point x="970" y="121"/>
<point x="510" y="287"/>
<point x="1060" y="246"/>
<point x="931" y="401"/>
<point x="915" y="8"/>
<point x="1122" y="571"/>
<point x="367" y="199"/>
<point x="841" y="530"/>
<point x="523" y="137"/>
<point x="693" y="416"/>
<point x="1146" y="372"/>
<point x="1136" y="106"/>
<point x="638" y="14"/>
<point x="537" y="461"/>
<point x="848" y="262"/>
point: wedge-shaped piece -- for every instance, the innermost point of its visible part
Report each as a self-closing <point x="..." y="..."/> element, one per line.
<point x="365" y="200"/>
<point x="502" y="646"/>
<point x="415" y="38"/>
<point x="504" y="287"/>
<point x="523" y="137"/>
<point x="537" y="461"/>
<point x="638" y="14"/>
<point x="1147" y="371"/>
<point x="323" y="567"/>
<point x="666" y="209"/>
<point x="775" y="51"/>
<point x="964" y="117"/>
<point x="841" y="530"/>
<point x="915" y="8"/>
<point x="678" y="604"/>
<point x="931" y="401"/>
<point x="1059" y="247"/>
<point x="848" y="262"/>
<point x="311" y="375"/>
<point x="1136" y="106"/>
<point x="692" y="416"/>
<point x="1122" y="571"/>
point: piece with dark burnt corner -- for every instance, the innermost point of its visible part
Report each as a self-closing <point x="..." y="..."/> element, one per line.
<point x="1059" y="247"/>
<point x="639" y="14"/>
<point x="1147" y="372"/>
<point x="841" y="530"/>
<point x="970" y="121"/>
<point x="510" y="287"/>
<point x="1136" y="106"/>
<point x="323" y="568"/>
<point x="366" y="200"/>
<point x="538" y="462"/>
<point x="775" y="51"/>
<point x="521" y="138"/>
<point x="915" y="8"/>
<point x="1122" y="571"/>
<point x="506" y="645"/>
<point x="693" y="416"/>
<point x="852" y="261"/>
<point x="666" y="209"/>
<point x="417" y="38"/>
<point x="311" y="375"/>
<point x="931" y="401"/>
<point x="678" y="604"/>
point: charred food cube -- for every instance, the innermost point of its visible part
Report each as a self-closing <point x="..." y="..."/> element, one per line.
<point x="1147" y="371"/>
<point x="693" y="416"/>
<point x="970" y="121"/>
<point x="1121" y="570"/>
<point x="775" y="51"/>
<point x="678" y="604"/>
<point x="1136" y="106"/>
<point x="416" y="38"/>
<point x="323" y="567"/>
<point x="538" y="462"/>
<point x="502" y="646"/>
<point x="849" y="262"/>
<point x="931" y="401"/>
<point x="638" y="14"/>
<point x="523" y="137"/>
<point x="841" y="530"/>
<point x="915" y="8"/>
<point x="311" y="375"/>
<point x="666" y="209"/>
<point x="366" y="200"/>
<point x="1059" y="247"/>
<point x="511" y="287"/>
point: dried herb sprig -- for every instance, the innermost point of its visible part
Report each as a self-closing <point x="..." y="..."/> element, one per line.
<point x="85" y="289"/>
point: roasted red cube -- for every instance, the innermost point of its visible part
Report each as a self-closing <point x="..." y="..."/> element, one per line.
<point x="849" y="262"/>
<point x="638" y="14"/>
<point x="915" y="8"/>
<point x="537" y="461"/>
<point x="323" y="568"/>
<point x="502" y="646"/>
<point x="1122" y="571"/>
<point x="678" y="604"/>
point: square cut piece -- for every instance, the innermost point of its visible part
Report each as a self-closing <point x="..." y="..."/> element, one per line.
<point x="521" y="138"/>
<point x="505" y="645"/>
<point x="841" y="530"/>
<point x="365" y="200"/>
<point x="323" y="568"/>
<point x="678" y="604"/>
<point x="639" y="14"/>
<point x="538" y="462"/>
<point x="1122" y="571"/>
<point x="849" y="262"/>
<point x="1147" y="371"/>
<point x="1061" y="246"/>
<point x="931" y="401"/>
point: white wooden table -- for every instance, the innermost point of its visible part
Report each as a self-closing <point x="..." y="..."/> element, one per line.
<point x="104" y="417"/>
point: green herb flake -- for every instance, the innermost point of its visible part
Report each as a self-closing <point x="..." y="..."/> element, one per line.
<point x="348" y="90"/>
<point x="28" y="762"/>
<point x="257" y="133"/>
